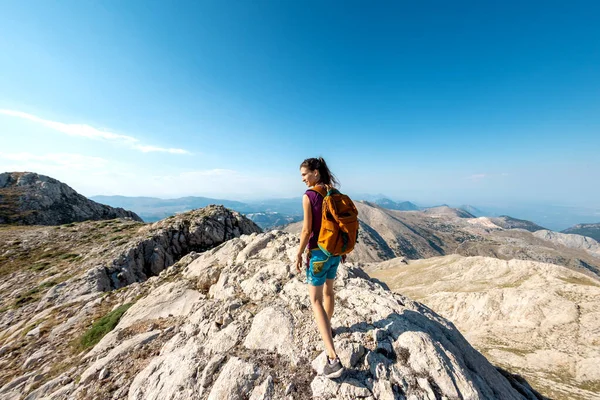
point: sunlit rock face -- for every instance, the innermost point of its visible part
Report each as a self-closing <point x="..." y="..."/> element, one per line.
<point x="537" y="319"/>
<point x="28" y="198"/>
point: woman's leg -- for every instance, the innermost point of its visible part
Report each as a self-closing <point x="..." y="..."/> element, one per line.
<point x="328" y="298"/>
<point x="316" y="300"/>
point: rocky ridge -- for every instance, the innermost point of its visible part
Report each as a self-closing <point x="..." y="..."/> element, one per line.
<point x="28" y="198"/>
<point x="537" y="319"/>
<point x="386" y="234"/>
<point x="56" y="280"/>
<point x="235" y="322"/>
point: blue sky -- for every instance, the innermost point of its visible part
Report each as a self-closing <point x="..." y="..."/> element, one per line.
<point x="433" y="101"/>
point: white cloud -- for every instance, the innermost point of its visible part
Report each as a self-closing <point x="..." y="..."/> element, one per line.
<point x="94" y="175"/>
<point x="477" y="177"/>
<point x="30" y="162"/>
<point x="90" y="132"/>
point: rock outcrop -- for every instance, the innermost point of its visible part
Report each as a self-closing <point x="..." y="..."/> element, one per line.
<point x="235" y="323"/>
<point x="28" y="198"/>
<point x="154" y="248"/>
<point x="540" y="320"/>
<point x="571" y="240"/>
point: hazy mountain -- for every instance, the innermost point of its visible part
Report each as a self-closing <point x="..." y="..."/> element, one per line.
<point x="271" y="219"/>
<point x="554" y="217"/>
<point x="266" y="213"/>
<point x="446" y="211"/>
<point x="472" y="210"/>
<point x="152" y="209"/>
<point x="506" y="222"/>
<point x="28" y="198"/>
<point x="589" y="230"/>
<point x="392" y="205"/>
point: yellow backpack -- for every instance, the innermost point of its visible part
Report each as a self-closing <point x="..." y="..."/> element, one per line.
<point x="339" y="223"/>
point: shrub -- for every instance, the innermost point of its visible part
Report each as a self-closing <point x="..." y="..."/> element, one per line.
<point x="102" y="327"/>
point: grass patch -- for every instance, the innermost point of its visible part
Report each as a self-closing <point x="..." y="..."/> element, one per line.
<point x="102" y="327"/>
<point x="116" y="237"/>
<point x="27" y="297"/>
<point x="68" y="256"/>
<point x="48" y="284"/>
<point x="40" y="266"/>
<point x="578" y="281"/>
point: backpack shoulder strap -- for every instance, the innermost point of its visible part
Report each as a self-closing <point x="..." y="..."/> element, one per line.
<point x="318" y="189"/>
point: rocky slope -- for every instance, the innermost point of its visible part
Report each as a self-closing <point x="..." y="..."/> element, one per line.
<point x="235" y="322"/>
<point x="539" y="320"/>
<point x="507" y="222"/>
<point x="572" y="241"/>
<point x="55" y="279"/>
<point x="27" y="198"/>
<point x="385" y="234"/>
<point x="589" y="230"/>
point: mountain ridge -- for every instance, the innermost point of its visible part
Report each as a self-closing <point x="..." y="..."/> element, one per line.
<point x="29" y="198"/>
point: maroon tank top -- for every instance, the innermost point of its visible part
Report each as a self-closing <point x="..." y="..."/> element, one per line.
<point x="316" y="204"/>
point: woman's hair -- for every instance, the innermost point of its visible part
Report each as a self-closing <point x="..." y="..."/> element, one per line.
<point x="325" y="175"/>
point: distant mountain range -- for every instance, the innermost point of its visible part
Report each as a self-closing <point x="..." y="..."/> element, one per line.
<point x="270" y="213"/>
<point x="265" y="213"/>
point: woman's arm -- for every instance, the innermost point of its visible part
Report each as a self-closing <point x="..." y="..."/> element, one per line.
<point x="306" y="230"/>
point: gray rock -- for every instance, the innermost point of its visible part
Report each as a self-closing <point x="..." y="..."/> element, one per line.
<point x="264" y="391"/>
<point x="207" y="375"/>
<point x="324" y="387"/>
<point x="41" y="200"/>
<point x="273" y="329"/>
<point x="235" y="380"/>
<point x="352" y="389"/>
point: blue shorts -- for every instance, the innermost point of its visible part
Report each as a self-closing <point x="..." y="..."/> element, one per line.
<point x="321" y="267"/>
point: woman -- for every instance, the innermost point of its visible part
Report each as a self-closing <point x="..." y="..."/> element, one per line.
<point x="321" y="270"/>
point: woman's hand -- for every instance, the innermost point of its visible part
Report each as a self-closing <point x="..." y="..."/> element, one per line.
<point x="299" y="262"/>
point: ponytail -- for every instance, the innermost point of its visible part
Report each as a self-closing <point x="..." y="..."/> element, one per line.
<point x="325" y="175"/>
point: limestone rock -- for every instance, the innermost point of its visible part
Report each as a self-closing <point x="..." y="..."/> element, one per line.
<point x="520" y="314"/>
<point x="235" y="380"/>
<point x="35" y="199"/>
<point x="571" y="240"/>
<point x="273" y="329"/>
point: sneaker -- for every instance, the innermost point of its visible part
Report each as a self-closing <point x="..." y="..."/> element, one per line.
<point x="333" y="369"/>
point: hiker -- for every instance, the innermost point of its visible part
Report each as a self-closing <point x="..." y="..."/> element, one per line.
<point x="320" y="269"/>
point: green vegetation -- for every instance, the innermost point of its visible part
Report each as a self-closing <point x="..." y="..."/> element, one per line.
<point x="68" y="256"/>
<point x="578" y="280"/>
<point x="34" y="294"/>
<point x="102" y="327"/>
<point x="40" y="266"/>
<point x="27" y="297"/>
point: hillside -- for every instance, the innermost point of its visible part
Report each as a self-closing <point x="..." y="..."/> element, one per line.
<point x="536" y="319"/>
<point x="28" y="198"/>
<point x="589" y="230"/>
<point x="385" y="234"/>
